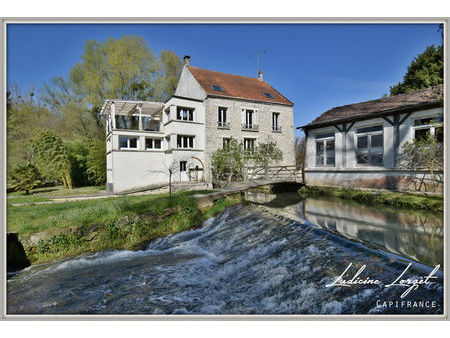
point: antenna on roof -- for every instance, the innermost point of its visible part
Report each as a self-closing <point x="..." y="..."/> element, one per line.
<point x="257" y="59"/>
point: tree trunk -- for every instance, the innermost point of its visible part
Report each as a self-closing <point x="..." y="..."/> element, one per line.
<point x="170" y="184"/>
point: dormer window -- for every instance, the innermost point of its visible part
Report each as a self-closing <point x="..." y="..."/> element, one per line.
<point x="268" y="95"/>
<point x="185" y="114"/>
<point x="217" y="88"/>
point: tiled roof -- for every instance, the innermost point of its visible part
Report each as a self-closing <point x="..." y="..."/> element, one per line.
<point x="237" y="86"/>
<point x="397" y="102"/>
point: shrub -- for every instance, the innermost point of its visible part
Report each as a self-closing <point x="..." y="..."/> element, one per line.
<point x="25" y="177"/>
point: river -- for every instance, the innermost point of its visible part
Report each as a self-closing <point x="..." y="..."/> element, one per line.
<point x="275" y="255"/>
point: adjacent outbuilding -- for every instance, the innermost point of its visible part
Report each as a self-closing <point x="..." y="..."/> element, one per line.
<point x="358" y="145"/>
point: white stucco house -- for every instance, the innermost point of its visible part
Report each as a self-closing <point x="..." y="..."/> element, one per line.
<point x="358" y="145"/>
<point x="144" y="139"/>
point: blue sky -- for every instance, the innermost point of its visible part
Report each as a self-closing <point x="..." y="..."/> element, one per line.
<point x="317" y="66"/>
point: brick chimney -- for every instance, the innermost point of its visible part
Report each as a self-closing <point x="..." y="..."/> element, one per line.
<point x="187" y="60"/>
<point x="260" y="75"/>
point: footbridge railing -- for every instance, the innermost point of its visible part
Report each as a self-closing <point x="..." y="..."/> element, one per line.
<point x="281" y="173"/>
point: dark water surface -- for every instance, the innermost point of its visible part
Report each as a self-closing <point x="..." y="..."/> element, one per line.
<point x="248" y="260"/>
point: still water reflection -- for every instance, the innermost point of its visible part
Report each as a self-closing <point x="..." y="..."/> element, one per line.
<point x="415" y="235"/>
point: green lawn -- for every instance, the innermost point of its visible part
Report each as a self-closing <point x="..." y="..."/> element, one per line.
<point x="127" y="222"/>
<point x="45" y="194"/>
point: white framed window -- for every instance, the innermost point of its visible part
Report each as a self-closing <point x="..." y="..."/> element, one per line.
<point x="222" y="121"/>
<point x="128" y="142"/>
<point x="152" y="143"/>
<point x="185" y="114"/>
<point x="185" y="141"/>
<point x="183" y="166"/>
<point x="369" y="145"/>
<point x="276" y="126"/>
<point x="429" y="125"/>
<point x="249" y="144"/>
<point x="325" y="154"/>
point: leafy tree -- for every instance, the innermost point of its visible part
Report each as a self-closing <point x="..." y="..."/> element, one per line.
<point x="124" y="68"/>
<point x="52" y="157"/>
<point x="25" y="177"/>
<point x="230" y="162"/>
<point x="425" y="154"/>
<point x="25" y="119"/>
<point x="266" y="153"/>
<point x="77" y="153"/>
<point x="96" y="161"/>
<point x="426" y="70"/>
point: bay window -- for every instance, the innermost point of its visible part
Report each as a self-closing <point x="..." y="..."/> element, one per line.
<point x="185" y="142"/>
<point x="185" y="114"/>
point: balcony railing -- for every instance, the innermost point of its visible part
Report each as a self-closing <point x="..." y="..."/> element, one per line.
<point x="223" y="125"/>
<point x="247" y="126"/>
<point x="276" y="129"/>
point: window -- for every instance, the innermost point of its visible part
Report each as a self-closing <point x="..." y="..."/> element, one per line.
<point x="325" y="149"/>
<point x="249" y="144"/>
<point x="249" y="120"/>
<point x="150" y="124"/>
<point x="127" y="122"/>
<point x="226" y="142"/>
<point x="217" y="88"/>
<point x="369" y="145"/>
<point x="222" y="118"/>
<point x="276" y="122"/>
<point x="126" y="142"/>
<point x="185" y="114"/>
<point x="152" y="143"/>
<point x="429" y="126"/>
<point x="268" y="95"/>
<point x="183" y="166"/>
<point x="185" y="142"/>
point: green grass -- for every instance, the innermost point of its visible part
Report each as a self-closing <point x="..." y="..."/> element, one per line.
<point x="45" y="194"/>
<point x="126" y="222"/>
<point x="401" y="200"/>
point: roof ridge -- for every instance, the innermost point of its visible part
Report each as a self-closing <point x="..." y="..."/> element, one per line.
<point x="215" y="71"/>
<point x="388" y="97"/>
<point x="410" y="99"/>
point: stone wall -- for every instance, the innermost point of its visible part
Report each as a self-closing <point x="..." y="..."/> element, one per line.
<point x="214" y="135"/>
<point x="395" y="180"/>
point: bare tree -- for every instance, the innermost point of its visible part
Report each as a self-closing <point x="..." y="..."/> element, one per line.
<point x="300" y="149"/>
<point x="171" y="168"/>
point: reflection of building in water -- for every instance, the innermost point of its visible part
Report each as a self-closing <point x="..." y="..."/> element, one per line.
<point x="416" y="236"/>
<point x="284" y="204"/>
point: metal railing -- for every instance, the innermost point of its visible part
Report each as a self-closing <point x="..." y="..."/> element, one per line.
<point x="224" y="125"/>
<point x="276" y="128"/>
<point x="249" y="126"/>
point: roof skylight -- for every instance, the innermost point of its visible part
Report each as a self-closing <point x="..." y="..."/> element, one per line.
<point x="268" y="95"/>
<point x="217" y="88"/>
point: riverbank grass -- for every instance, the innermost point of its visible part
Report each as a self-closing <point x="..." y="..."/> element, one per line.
<point x="402" y="200"/>
<point x="127" y="222"/>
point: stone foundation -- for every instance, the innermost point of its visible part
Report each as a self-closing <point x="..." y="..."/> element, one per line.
<point x="394" y="180"/>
